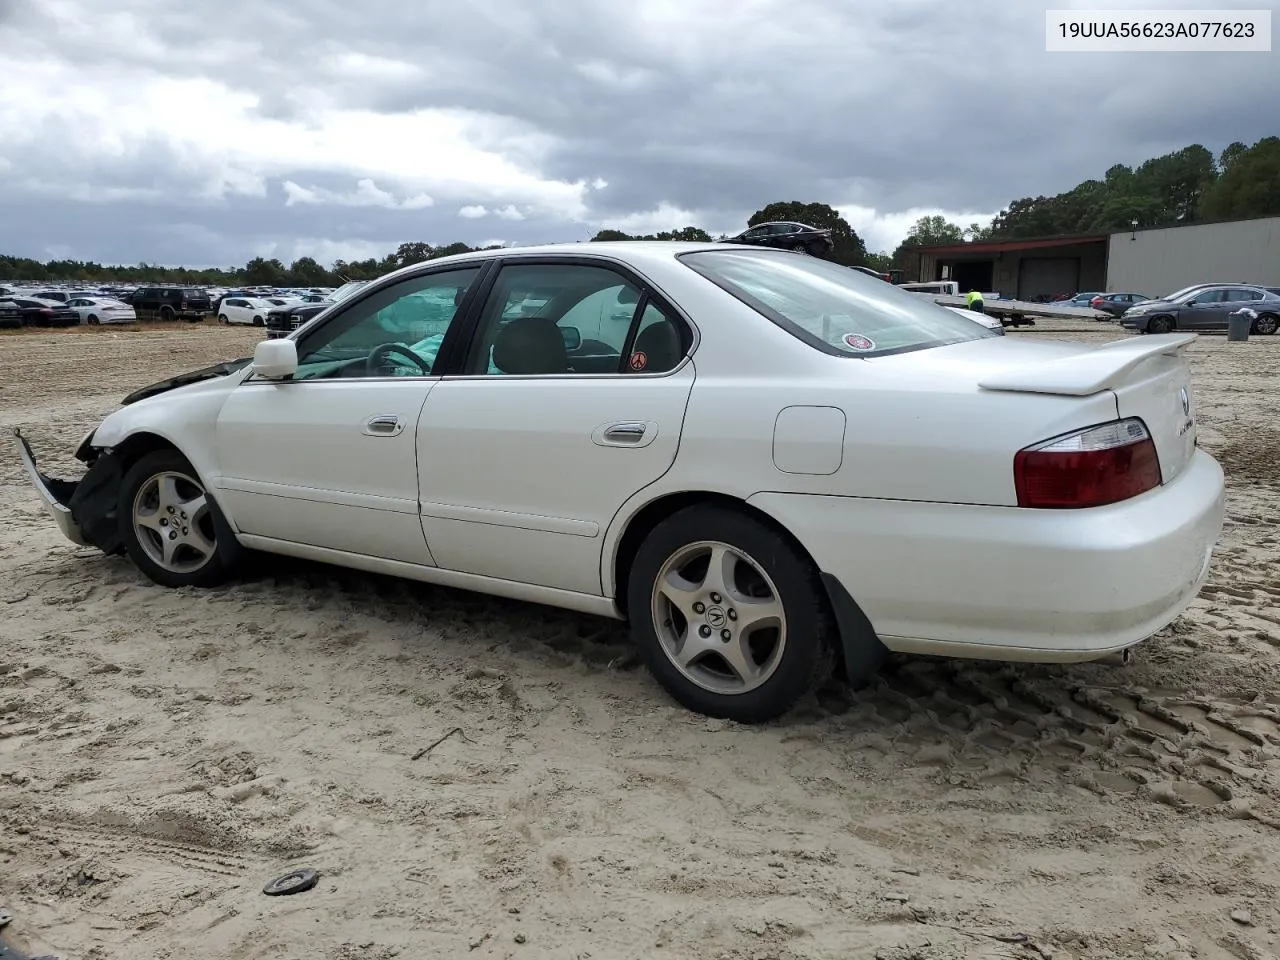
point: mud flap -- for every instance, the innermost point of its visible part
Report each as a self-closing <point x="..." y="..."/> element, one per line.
<point x="862" y="653"/>
<point x="93" y="505"/>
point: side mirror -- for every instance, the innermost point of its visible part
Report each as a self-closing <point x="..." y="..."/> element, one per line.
<point x="572" y="338"/>
<point x="275" y="359"/>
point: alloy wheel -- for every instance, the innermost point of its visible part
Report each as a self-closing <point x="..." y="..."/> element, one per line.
<point x="173" y="523"/>
<point x="719" y="617"/>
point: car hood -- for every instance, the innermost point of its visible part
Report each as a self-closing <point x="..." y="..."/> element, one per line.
<point x="222" y="369"/>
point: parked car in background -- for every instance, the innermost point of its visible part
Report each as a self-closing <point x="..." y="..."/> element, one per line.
<point x="1205" y="308"/>
<point x="1115" y="304"/>
<point x="61" y="296"/>
<point x="95" y="310"/>
<point x="789" y="235"/>
<point x="10" y="315"/>
<point x="879" y="275"/>
<point x="38" y="312"/>
<point x="853" y="470"/>
<point x="281" y="321"/>
<point x="244" y="310"/>
<point x="1081" y="300"/>
<point x="169" y="303"/>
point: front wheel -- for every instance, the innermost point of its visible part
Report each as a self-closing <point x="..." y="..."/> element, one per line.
<point x="171" y="528"/>
<point x="93" y="321"/>
<point x="1160" y="325"/>
<point x="1266" y="324"/>
<point x="730" y="618"/>
<point x="257" y="321"/>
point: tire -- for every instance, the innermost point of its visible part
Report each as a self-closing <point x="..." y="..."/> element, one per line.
<point x="801" y="249"/>
<point x="222" y="318"/>
<point x="166" y="314"/>
<point x="209" y="550"/>
<point x="1266" y="324"/>
<point x="792" y="656"/>
<point x="93" y="320"/>
<point x="817" y="250"/>
<point x="257" y="321"/>
<point x="1160" y="325"/>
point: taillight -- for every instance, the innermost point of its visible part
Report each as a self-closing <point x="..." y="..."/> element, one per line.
<point x="46" y="312"/>
<point x="1095" y="302"/>
<point x="1089" y="468"/>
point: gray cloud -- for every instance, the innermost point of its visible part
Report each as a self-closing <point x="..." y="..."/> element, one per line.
<point x="713" y="108"/>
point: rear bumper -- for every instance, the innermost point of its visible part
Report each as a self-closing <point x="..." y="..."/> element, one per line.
<point x="59" y="511"/>
<point x="1014" y="584"/>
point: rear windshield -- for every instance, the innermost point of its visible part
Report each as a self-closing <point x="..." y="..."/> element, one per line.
<point x="831" y="307"/>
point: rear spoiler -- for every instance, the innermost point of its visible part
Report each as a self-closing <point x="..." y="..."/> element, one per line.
<point x="1090" y="371"/>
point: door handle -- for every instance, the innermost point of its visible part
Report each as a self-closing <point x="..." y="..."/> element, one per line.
<point x="388" y="425"/>
<point x="627" y="433"/>
<point x="631" y="432"/>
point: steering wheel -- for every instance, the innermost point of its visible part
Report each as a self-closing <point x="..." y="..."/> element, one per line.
<point x="381" y="352"/>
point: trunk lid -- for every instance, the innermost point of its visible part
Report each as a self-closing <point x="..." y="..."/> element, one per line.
<point x="1149" y="376"/>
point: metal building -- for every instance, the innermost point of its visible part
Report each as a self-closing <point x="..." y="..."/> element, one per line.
<point x="1157" y="262"/>
<point x="1152" y="262"/>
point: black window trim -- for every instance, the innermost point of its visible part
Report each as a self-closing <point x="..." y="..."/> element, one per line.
<point x="793" y="328"/>
<point x="649" y="293"/>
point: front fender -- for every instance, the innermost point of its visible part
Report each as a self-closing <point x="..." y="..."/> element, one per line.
<point x="186" y="418"/>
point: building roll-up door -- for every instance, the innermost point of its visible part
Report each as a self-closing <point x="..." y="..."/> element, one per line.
<point x="1047" y="276"/>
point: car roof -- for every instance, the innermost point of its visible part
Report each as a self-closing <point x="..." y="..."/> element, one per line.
<point x="637" y="251"/>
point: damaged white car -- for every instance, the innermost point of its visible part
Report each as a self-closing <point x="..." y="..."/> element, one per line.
<point x="771" y="465"/>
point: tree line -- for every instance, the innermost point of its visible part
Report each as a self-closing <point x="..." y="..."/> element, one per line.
<point x="1187" y="186"/>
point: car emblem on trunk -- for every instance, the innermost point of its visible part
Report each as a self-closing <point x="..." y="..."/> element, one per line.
<point x="1186" y="401"/>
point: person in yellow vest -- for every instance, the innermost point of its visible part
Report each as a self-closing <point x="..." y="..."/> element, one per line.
<point x="975" y="302"/>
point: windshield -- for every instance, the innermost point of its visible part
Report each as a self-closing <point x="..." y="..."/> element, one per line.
<point x="346" y="290"/>
<point x="832" y="307"/>
<point x="1177" y="294"/>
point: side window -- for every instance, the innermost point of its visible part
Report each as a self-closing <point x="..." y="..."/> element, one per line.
<point x="561" y="318"/>
<point x="1209" y="296"/>
<point x="396" y="332"/>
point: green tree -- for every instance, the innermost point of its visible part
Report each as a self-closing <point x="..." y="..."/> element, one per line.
<point x="1249" y="186"/>
<point x="934" y="230"/>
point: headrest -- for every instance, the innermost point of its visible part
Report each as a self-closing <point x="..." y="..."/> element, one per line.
<point x="660" y="343"/>
<point x="530" y="345"/>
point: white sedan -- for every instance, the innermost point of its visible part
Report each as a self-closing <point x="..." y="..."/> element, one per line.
<point x="770" y="465"/>
<point x="95" y="310"/>
<point x="247" y="310"/>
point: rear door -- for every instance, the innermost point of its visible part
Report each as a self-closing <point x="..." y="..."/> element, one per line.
<point x="1207" y="310"/>
<point x="566" y="404"/>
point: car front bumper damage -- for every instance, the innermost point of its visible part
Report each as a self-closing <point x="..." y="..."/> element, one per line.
<point x="85" y="510"/>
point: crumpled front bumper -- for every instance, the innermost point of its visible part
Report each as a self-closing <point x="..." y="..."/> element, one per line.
<point x="45" y="486"/>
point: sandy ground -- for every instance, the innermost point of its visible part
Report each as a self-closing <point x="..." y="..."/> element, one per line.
<point x="163" y="754"/>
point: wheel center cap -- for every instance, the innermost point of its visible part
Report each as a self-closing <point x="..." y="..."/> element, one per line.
<point x="716" y="617"/>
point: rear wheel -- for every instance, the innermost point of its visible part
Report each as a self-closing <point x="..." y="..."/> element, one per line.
<point x="166" y="314"/>
<point x="93" y="320"/>
<point x="171" y="527"/>
<point x="222" y="318"/>
<point x="731" y="619"/>
<point x="816" y="250"/>
<point x="1266" y="324"/>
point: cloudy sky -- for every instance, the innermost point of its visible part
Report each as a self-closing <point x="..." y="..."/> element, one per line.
<point x="206" y="132"/>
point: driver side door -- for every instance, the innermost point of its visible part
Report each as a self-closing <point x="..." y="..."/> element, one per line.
<point x="329" y="458"/>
